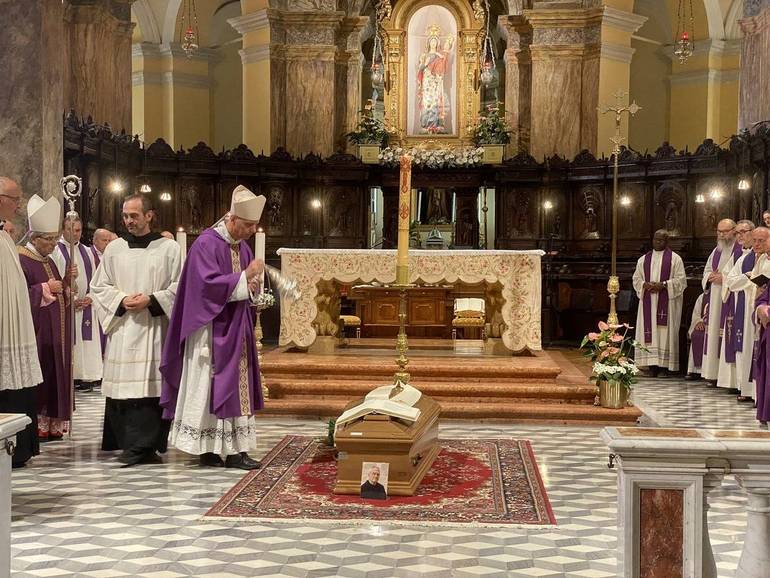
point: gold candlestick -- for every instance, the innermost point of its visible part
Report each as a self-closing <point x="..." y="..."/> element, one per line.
<point x="613" y="285"/>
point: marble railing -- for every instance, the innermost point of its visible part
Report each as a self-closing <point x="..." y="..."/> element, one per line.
<point x="664" y="478"/>
<point x="10" y="425"/>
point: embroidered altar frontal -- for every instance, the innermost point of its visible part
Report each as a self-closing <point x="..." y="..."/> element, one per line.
<point x="517" y="272"/>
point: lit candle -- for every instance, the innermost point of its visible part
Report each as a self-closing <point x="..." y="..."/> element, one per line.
<point x="404" y="201"/>
<point x="454" y="207"/>
<point x="181" y="238"/>
<point x="259" y="246"/>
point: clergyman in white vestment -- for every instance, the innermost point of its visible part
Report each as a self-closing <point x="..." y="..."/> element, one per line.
<point x="87" y="351"/>
<point x="19" y="363"/>
<point x="740" y="327"/>
<point x="697" y="336"/>
<point x="718" y="266"/>
<point x="659" y="281"/>
<point x="133" y="291"/>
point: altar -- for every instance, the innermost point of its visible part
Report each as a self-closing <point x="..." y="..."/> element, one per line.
<point x="516" y="273"/>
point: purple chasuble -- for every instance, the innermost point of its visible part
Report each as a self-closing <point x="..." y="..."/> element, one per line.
<point x="205" y="285"/>
<point x="51" y="322"/>
<point x="760" y="369"/>
<point x="661" y="316"/>
<point x="86" y="324"/>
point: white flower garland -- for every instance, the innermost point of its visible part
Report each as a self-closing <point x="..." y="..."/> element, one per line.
<point x="434" y="158"/>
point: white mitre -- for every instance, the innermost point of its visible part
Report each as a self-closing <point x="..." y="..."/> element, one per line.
<point x="246" y="205"/>
<point x="43" y="216"/>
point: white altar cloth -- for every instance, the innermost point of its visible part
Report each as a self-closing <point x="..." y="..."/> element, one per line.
<point x="517" y="271"/>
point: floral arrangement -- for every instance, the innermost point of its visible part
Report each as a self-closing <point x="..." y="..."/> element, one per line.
<point x="369" y="130"/>
<point x="491" y="127"/>
<point x="265" y="300"/>
<point x="434" y="158"/>
<point x="609" y="349"/>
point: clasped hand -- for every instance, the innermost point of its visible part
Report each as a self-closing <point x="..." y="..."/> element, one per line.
<point x="136" y="302"/>
<point x="715" y="277"/>
<point x="81" y="304"/>
<point x="653" y="287"/>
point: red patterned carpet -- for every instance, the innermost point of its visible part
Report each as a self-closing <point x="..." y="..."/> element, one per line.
<point x="473" y="481"/>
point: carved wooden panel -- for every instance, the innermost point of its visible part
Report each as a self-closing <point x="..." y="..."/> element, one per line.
<point x="589" y="218"/>
<point x="633" y="214"/>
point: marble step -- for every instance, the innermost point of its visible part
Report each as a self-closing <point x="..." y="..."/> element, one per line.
<point x="441" y="390"/>
<point x="567" y="414"/>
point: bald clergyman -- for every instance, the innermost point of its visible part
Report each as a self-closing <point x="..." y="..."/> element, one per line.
<point x="659" y="282"/>
<point x="718" y="266"/>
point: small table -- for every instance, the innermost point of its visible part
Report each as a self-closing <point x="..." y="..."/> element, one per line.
<point x="428" y="310"/>
<point x="10" y="425"/>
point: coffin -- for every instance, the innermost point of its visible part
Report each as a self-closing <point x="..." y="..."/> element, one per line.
<point x="409" y="448"/>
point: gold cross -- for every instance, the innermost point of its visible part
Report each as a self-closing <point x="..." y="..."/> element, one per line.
<point x="619" y="109"/>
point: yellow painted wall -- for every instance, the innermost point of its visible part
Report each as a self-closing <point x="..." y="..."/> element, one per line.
<point x="227" y="99"/>
<point x="649" y="86"/>
<point x="689" y="114"/>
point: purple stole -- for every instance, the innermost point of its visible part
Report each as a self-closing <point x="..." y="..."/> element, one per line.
<point x="86" y="325"/>
<point x="737" y="251"/>
<point x="734" y="329"/>
<point x="97" y="260"/>
<point x="662" y="313"/>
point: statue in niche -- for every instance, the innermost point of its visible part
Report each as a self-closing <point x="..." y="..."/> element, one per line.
<point x="464" y="229"/>
<point x="671" y="216"/>
<point x="591" y="227"/>
<point x="274" y="202"/>
<point x="437" y="212"/>
<point x="521" y="207"/>
<point x="433" y="105"/>
<point x="190" y="196"/>
<point x="556" y="225"/>
<point x="342" y="220"/>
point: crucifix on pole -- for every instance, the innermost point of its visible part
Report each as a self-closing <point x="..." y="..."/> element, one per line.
<point x="613" y="285"/>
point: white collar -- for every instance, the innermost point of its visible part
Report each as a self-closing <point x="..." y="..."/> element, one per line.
<point x="221" y="229"/>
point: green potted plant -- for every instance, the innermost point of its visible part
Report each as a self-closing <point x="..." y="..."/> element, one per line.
<point x="613" y="371"/>
<point x="492" y="133"/>
<point x="370" y="135"/>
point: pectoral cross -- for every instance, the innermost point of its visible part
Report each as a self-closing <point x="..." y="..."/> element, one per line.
<point x="619" y="109"/>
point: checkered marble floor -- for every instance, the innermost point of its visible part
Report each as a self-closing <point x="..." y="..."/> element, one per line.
<point x="76" y="513"/>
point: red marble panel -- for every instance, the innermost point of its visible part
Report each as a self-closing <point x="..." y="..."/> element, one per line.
<point x="661" y="533"/>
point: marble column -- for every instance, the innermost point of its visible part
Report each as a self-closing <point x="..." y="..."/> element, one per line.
<point x="755" y="558"/>
<point x="98" y="67"/>
<point x="264" y="77"/>
<point x="755" y="63"/>
<point x="565" y="53"/>
<point x="518" y="79"/>
<point x="32" y="94"/>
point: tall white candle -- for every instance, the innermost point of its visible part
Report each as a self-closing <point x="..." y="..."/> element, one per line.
<point x="181" y="238"/>
<point x="259" y="246"/>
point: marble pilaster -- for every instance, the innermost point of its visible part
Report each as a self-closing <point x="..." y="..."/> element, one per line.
<point x="565" y="78"/>
<point x="348" y="69"/>
<point x="755" y="558"/>
<point x="98" y="70"/>
<point x="10" y="425"/>
<point x="518" y="74"/>
<point x="310" y="51"/>
<point x="32" y="93"/>
<point x="755" y="64"/>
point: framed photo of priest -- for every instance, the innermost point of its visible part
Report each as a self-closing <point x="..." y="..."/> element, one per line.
<point x="374" y="480"/>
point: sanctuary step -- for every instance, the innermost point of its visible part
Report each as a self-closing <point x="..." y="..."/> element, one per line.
<point x="545" y="387"/>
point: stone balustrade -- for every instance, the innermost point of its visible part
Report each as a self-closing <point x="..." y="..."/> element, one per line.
<point x="664" y="479"/>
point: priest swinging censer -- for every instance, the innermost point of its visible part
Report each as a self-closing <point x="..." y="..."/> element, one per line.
<point x="392" y="424"/>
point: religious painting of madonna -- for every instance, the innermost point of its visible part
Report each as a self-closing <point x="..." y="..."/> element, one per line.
<point x="432" y="82"/>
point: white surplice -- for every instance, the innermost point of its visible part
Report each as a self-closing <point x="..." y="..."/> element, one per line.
<point x="736" y="375"/>
<point x="134" y="340"/>
<point x="710" y="368"/>
<point x="86" y="355"/>
<point x="195" y="430"/>
<point x="695" y="319"/>
<point x="663" y="351"/>
<point x="19" y="362"/>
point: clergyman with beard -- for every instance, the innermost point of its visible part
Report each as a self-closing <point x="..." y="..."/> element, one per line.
<point x="718" y="266"/>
